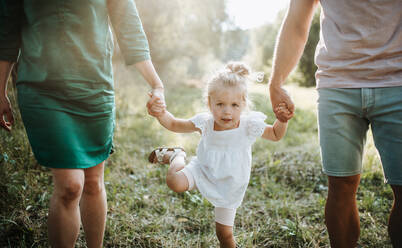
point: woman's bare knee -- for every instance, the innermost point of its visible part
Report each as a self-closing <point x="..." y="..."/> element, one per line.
<point x="93" y="186"/>
<point x="68" y="185"/>
<point x="69" y="192"/>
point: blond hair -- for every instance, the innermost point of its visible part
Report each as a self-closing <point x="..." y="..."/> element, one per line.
<point x="234" y="74"/>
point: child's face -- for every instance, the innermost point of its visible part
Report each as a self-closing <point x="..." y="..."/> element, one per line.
<point x="226" y="106"/>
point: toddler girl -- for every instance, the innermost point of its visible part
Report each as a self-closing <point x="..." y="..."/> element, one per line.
<point x="221" y="169"/>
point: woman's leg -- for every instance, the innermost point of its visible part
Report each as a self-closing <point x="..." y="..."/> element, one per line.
<point x="64" y="215"/>
<point x="225" y="235"/>
<point x="93" y="206"/>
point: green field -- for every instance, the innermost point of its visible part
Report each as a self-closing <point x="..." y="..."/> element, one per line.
<point x="283" y="207"/>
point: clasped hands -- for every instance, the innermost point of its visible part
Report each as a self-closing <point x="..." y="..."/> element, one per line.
<point x="156" y="105"/>
<point x="282" y="105"/>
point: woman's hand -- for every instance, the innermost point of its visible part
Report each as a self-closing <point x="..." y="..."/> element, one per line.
<point x="6" y="114"/>
<point x="156" y="104"/>
<point x="279" y="97"/>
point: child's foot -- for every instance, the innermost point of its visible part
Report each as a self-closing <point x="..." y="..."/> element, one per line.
<point x="165" y="155"/>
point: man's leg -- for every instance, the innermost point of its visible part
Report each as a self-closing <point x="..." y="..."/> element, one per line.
<point x="93" y="206"/>
<point x="64" y="215"/>
<point x="395" y="219"/>
<point x="341" y="213"/>
<point x="342" y="132"/>
<point x="386" y="123"/>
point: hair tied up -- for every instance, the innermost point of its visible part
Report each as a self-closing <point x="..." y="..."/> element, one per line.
<point x="239" y="68"/>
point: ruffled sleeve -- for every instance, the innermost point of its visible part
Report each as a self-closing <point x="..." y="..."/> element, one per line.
<point x="200" y="121"/>
<point x="255" y="124"/>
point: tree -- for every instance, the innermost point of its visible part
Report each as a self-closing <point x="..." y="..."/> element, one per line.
<point x="178" y="30"/>
<point x="235" y="44"/>
<point x="307" y="66"/>
<point x="262" y="45"/>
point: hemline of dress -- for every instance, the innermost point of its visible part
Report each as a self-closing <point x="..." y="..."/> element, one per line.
<point x="79" y="166"/>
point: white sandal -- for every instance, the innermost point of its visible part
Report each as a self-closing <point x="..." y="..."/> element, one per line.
<point x="160" y="152"/>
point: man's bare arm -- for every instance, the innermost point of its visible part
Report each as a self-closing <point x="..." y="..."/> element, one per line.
<point x="289" y="48"/>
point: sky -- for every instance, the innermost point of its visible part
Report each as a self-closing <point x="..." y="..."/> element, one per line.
<point x="253" y="13"/>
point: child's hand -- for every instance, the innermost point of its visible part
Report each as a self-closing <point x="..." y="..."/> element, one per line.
<point x="156" y="104"/>
<point x="282" y="110"/>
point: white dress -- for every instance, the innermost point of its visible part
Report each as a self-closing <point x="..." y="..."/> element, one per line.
<point x="221" y="169"/>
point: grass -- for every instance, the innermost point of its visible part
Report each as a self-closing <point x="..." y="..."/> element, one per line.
<point x="283" y="206"/>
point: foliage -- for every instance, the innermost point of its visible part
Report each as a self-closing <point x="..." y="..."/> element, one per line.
<point x="263" y="45"/>
<point x="306" y="65"/>
<point x="187" y="38"/>
<point x="267" y="38"/>
<point x="236" y="43"/>
<point x="179" y="30"/>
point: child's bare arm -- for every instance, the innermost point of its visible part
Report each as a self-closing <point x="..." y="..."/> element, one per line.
<point x="174" y="124"/>
<point x="276" y="131"/>
<point x="167" y="120"/>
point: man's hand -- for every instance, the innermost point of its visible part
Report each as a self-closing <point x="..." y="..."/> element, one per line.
<point x="156" y="104"/>
<point x="6" y="114"/>
<point x="279" y="96"/>
<point x="282" y="110"/>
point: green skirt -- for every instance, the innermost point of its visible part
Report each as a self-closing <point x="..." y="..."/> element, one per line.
<point x="69" y="125"/>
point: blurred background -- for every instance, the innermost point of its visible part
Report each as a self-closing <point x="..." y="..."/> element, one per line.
<point x="191" y="38"/>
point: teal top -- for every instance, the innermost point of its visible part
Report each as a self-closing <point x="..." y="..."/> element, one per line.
<point x="65" y="80"/>
<point x="69" y="40"/>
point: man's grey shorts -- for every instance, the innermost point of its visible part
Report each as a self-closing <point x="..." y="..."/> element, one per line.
<point x="344" y="116"/>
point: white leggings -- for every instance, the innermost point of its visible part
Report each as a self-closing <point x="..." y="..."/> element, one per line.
<point x="224" y="216"/>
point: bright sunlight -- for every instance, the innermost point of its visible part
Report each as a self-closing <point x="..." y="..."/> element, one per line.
<point x="254" y="13"/>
